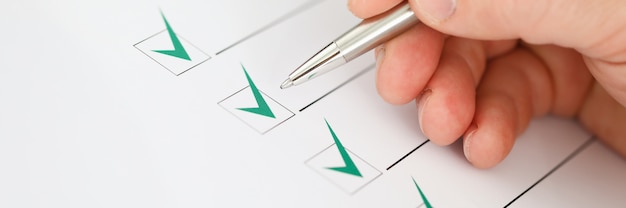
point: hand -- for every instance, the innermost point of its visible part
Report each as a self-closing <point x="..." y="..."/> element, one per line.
<point x="482" y="69"/>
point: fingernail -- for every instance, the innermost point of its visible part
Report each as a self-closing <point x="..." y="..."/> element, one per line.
<point x="467" y="141"/>
<point x="380" y="55"/>
<point x="438" y="10"/>
<point x="421" y="105"/>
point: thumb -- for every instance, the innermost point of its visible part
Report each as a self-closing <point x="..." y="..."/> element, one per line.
<point x="567" y="23"/>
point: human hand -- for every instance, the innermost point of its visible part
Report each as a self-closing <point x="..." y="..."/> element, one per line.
<point x="489" y="66"/>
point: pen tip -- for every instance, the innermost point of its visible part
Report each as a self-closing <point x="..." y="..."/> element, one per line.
<point x="287" y="83"/>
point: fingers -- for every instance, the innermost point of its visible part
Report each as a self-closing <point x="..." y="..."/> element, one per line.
<point x="605" y="117"/>
<point x="368" y="8"/>
<point x="515" y="87"/>
<point x="406" y="70"/>
<point x="446" y="107"/>
<point x="593" y="28"/>
<point x="570" y="77"/>
<point x="570" y="23"/>
<point x="406" y="63"/>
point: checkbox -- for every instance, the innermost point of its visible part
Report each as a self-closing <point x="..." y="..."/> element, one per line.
<point x="154" y="46"/>
<point x="324" y="162"/>
<point x="238" y="103"/>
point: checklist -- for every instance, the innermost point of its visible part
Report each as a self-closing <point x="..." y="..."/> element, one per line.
<point x="168" y="103"/>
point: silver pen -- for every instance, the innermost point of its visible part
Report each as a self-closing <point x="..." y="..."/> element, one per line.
<point x="362" y="38"/>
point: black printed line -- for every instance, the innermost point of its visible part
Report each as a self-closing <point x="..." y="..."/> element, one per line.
<point x="287" y="16"/>
<point x="567" y="159"/>
<point x="341" y="85"/>
<point x="407" y="154"/>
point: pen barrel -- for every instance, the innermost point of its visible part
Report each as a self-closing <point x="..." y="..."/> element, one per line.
<point x="374" y="31"/>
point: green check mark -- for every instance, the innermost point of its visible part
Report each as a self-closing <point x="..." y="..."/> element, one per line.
<point x="263" y="108"/>
<point x="426" y="203"/>
<point x="179" y="50"/>
<point x="350" y="168"/>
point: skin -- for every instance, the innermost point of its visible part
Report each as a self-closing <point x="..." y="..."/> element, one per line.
<point x="484" y="69"/>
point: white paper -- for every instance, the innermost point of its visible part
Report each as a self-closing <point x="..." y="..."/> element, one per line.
<point x="92" y="116"/>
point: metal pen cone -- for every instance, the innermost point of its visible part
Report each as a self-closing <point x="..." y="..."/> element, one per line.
<point x="325" y="60"/>
<point x="286" y="84"/>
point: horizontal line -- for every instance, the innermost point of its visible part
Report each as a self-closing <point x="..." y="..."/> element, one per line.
<point x="407" y="154"/>
<point x="341" y="85"/>
<point x="568" y="158"/>
<point x="294" y="12"/>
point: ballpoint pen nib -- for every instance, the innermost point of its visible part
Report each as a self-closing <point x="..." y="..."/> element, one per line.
<point x="287" y="83"/>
